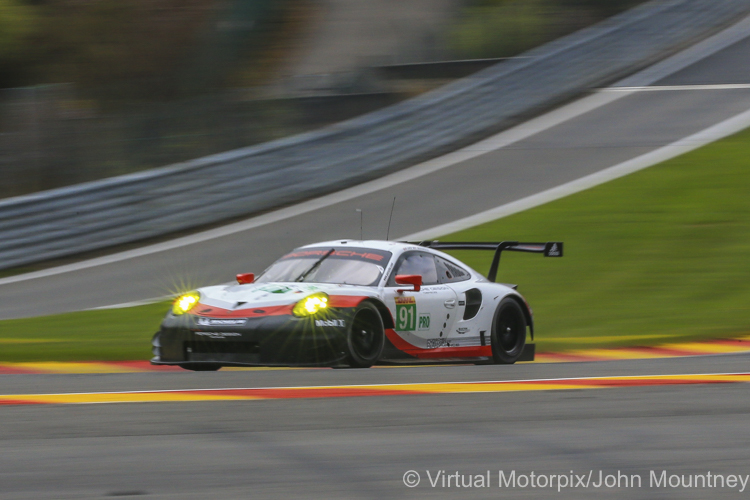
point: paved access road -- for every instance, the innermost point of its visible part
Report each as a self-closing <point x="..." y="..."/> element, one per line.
<point x="355" y="447"/>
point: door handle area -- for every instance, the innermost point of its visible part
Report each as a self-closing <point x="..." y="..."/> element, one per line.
<point x="450" y="303"/>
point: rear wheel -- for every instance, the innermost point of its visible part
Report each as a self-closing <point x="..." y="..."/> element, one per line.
<point x="201" y="367"/>
<point x="508" y="332"/>
<point x="366" y="337"/>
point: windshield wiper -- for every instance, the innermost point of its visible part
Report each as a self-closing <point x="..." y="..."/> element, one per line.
<point x="317" y="264"/>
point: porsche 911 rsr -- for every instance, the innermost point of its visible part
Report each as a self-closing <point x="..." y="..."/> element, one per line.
<point x="354" y="303"/>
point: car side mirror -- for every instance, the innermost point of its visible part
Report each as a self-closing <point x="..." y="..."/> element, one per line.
<point x="245" y="278"/>
<point x="409" y="279"/>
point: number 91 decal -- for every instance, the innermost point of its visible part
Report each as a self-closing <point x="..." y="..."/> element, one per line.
<point x="407" y="318"/>
<point x="406" y="313"/>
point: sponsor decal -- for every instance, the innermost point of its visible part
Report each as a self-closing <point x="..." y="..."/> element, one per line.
<point x="275" y="289"/>
<point x="461" y="302"/>
<point x="388" y="269"/>
<point x="424" y="321"/>
<point x="405" y="300"/>
<point x="462" y="330"/>
<point x="406" y="314"/>
<point x="221" y="322"/>
<point x="362" y="255"/>
<point x="436" y="343"/>
<point x="554" y="249"/>
<point x="338" y="323"/>
<point x="218" y="335"/>
<point x="367" y="254"/>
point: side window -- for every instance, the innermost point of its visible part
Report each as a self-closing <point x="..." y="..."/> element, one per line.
<point x="448" y="272"/>
<point x="419" y="263"/>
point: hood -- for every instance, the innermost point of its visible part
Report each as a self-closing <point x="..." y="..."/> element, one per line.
<point x="237" y="297"/>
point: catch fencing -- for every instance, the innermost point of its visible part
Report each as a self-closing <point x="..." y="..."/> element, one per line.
<point x="132" y="207"/>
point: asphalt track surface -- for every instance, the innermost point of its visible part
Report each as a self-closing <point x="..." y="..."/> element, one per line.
<point x="353" y="448"/>
<point x="362" y="447"/>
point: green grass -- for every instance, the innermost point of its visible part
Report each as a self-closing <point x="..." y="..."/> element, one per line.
<point x="103" y="335"/>
<point x="658" y="256"/>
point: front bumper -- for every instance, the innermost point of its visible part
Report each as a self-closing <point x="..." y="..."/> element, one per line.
<point x="282" y="340"/>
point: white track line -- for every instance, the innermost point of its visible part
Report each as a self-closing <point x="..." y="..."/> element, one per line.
<point x="677" y="148"/>
<point x="658" y="88"/>
<point x="648" y="76"/>
<point x="394" y="384"/>
<point x="135" y="303"/>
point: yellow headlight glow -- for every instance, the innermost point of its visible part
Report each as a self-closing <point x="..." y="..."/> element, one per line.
<point x="312" y="304"/>
<point x="185" y="302"/>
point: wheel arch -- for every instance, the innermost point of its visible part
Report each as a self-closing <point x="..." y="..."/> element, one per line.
<point x="385" y="314"/>
<point x="526" y="312"/>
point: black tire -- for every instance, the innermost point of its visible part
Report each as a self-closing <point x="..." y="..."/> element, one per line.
<point x="508" y="332"/>
<point x="366" y="337"/>
<point x="201" y="367"/>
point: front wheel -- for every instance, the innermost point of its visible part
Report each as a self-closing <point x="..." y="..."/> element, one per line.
<point x="508" y="332"/>
<point x="366" y="337"/>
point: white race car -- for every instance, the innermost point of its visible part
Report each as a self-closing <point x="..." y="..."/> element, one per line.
<point x="354" y="303"/>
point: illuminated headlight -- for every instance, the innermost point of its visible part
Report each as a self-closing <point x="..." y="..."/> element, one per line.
<point x="185" y="302"/>
<point x="312" y="304"/>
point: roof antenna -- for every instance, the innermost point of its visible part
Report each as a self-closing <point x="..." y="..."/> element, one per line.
<point x="388" y="233"/>
<point x="360" y="224"/>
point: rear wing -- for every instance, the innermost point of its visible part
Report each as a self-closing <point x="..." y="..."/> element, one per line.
<point x="549" y="249"/>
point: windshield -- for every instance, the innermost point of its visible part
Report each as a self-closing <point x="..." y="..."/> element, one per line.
<point x="351" y="266"/>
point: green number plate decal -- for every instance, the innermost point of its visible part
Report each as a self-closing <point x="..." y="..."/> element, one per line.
<point x="406" y="314"/>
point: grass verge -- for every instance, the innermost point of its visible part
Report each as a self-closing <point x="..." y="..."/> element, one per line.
<point x="654" y="257"/>
<point x="101" y="335"/>
<point x="658" y="256"/>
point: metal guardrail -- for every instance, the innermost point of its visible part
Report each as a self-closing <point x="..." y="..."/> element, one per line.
<point x="436" y="69"/>
<point x="123" y="209"/>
